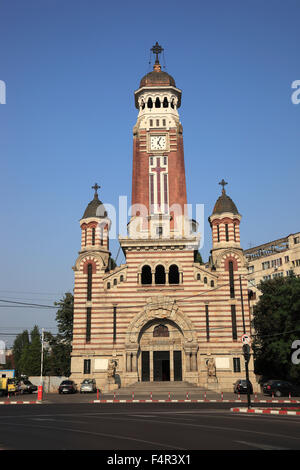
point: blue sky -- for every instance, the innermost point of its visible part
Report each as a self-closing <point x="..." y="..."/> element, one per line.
<point x="71" y="68"/>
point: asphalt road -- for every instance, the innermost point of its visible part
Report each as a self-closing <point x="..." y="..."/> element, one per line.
<point x="153" y="427"/>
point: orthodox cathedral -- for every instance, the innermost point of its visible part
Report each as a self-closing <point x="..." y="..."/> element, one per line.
<point x="163" y="315"/>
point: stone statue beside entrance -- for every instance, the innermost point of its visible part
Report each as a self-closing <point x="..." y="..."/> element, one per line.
<point x="110" y="375"/>
<point x="212" y="381"/>
<point x="211" y="367"/>
<point x="111" y="368"/>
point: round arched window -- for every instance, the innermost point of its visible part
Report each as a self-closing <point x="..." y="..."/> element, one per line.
<point x="146" y="277"/>
<point x="160" y="275"/>
<point x="173" y="274"/>
<point x="161" y="331"/>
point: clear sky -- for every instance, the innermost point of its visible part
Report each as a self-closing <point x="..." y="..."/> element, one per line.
<point x="71" y="68"/>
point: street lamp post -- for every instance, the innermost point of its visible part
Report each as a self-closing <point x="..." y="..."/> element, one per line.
<point x="246" y="348"/>
<point x="42" y="356"/>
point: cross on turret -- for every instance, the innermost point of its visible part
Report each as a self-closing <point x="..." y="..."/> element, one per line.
<point x="156" y="49"/>
<point x="223" y="184"/>
<point x="96" y="187"/>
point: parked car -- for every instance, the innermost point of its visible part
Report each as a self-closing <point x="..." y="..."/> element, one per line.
<point x="25" y="386"/>
<point x="67" y="386"/>
<point x="280" y="388"/>
<point x="240" y="386"/>
<point x="88" y="386"/>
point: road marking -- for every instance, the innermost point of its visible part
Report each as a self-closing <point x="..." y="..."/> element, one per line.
<point x="43" y="419"/>
<point x="261" y="446"/>
<point x="111" y="436"/>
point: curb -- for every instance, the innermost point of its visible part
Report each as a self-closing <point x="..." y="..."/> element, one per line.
<point x="268" y="411"/>
<point x="192" y="401"/>
<point x="20" y="403"/>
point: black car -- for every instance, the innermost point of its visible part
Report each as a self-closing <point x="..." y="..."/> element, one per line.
<point x="240" y="386"/>
<point x="280" y="388"/>
<point x="67" y="386"/>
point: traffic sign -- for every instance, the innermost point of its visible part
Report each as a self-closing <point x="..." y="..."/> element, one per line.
<point x="246" y="339"/>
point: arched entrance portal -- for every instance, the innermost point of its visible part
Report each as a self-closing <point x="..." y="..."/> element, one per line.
<point x="161" y="344"/>
<point x="160" y="351"/>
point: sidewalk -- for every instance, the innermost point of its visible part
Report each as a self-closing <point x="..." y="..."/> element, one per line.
<point x="134" y="397"/>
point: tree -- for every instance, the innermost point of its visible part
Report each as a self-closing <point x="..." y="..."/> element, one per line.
<point x="57" y="349"/>
<point x="277" y="324"/>
<point x="61" y="344"/>
<point x="20" y="343"/>
<point x="30" y="360"/>
<point x="198" y="257"/>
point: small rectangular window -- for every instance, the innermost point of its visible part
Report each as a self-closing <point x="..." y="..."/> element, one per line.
<point x="89" y="282"/>
<point x="233" y="322"/>
<point x="207" y="322"/>
<point x="159" y="230"/>
<point x="151" y="122"/>
<point x="115" y="324"/>
<point x="226" y="232"/>
<point x="87" y="366"/>
<point x="231" y="279"/>
<point x="164" y="122"/>
<point x="236" y="364"/>
<point x="88" y="324"/>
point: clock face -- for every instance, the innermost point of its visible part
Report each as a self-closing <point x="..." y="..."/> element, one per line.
<point x="158" y="142"/>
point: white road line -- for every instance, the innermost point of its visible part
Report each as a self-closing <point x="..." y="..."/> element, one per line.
<point x="111" y="436"/>
<point x="217" y="428"/>
<point x="261" y="446"/>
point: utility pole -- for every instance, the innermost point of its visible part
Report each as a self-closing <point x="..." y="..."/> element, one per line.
<point x="246" y="348"/>
<point x="42" y="356"/>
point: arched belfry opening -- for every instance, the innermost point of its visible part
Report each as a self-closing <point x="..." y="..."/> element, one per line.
<point x="146" y="277"/>
<point x="160" y="275"/>
<point x="173" y="274"/>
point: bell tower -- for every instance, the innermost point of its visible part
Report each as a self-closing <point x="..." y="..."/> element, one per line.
<point x="158" y="178"/>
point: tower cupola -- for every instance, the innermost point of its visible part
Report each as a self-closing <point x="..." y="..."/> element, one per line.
<point x="225" y="221"/>
<point x="95" y="225"/>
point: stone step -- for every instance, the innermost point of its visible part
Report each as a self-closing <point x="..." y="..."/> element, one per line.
<point x="157" y="387"/>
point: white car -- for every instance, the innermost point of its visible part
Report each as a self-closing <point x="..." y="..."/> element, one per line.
<point x="88" y="386"/>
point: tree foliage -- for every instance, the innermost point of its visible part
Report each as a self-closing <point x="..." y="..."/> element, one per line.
<point x="61" y="344"/>
<point x="57" y="349"/>
<point x="277" y="324"/>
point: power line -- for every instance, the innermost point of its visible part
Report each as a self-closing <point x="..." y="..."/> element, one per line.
<point x="29" y="304"/>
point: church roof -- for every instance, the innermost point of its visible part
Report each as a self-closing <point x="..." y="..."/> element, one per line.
<point x="95" y="208"/>
<point x="157" y="78"/>
<point x="224" y="203"/>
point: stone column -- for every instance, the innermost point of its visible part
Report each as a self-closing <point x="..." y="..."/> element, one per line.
<point x="128" y="362"/>
<point x="134" y="363"/>
<point x="171" y="365"/>
<point x="187" y="362"/>
<point x="194" y="362"/>
<point x="151" y="365"/>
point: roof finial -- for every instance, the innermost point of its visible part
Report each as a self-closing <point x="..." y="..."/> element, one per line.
<point x="96" y="187"/>
<point x="223" y="183"/>
<point x="156" y="49"/>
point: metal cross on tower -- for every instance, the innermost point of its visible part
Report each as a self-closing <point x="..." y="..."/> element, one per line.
<point x="96" y="187"/>
<point x="156" y="49"/>
<point x="223" y="184"/>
